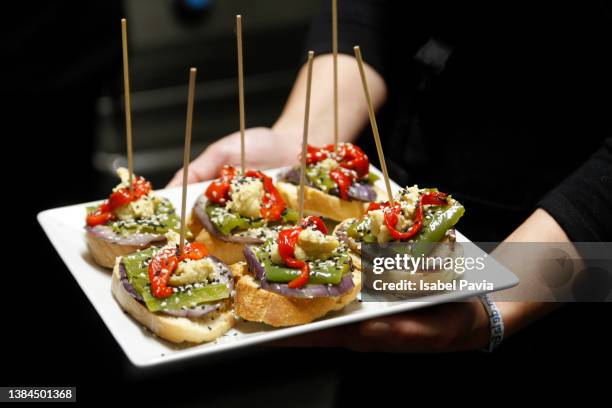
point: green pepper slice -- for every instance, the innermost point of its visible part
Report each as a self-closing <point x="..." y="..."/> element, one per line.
<point x="433" y="230"/>
<point x="137" y="272"/>
<point x="321" y="272"/>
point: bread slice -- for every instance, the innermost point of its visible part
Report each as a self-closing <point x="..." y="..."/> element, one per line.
<point x="228" y="252"/>
<point x="321" y="204"/>
<point x="105" y="252"/>
<point x="174" y="329"/>
<point x="194" y="224"/>
<point x="439" y="275"/>
<point x="258" y="305"/>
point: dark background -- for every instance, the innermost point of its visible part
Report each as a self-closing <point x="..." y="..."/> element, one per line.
<point x="63" y="134"/>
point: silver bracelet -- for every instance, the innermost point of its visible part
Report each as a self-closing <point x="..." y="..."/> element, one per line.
<point x="496" y="323"/>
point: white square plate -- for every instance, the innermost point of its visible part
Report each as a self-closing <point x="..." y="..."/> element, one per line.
<point x="65" y="228"/>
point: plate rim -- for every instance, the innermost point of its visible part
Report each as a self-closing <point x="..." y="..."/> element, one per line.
<point x="45" y="219"/>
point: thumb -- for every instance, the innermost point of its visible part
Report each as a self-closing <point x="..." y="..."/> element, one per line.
<point x="204" y="167"/>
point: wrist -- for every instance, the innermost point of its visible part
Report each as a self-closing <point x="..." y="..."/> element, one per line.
<point x="478" y="332"/>
<point x="481" y="330"/>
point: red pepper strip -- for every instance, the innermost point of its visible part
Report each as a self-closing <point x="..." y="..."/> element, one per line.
<point x="99" y="218"/>
<point x="312" y="221"/>
<point x="349" y="157"/>
<point x="391" y="218"/>
<point x="391" y="214"/>
<point x="353" y="158"/>
<point x="343" y="180"/>
<point x="195" y="251"/>
<point x="117" y="199"/>
<point x="287" y="240"/>
<point x="375" y="206"/>
<point x="165" y="262"/>
<point x="218" y="190"/>
<point x="434" y="198"/>
<point x="160" y="269"/>
<point x="272" y="204"/>
<point x="317" y="154"/>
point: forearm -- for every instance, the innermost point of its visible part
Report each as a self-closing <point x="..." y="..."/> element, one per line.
<point x="284" y="139"/>
<point x="352" y="107"/>
<point x="539" y="228"/>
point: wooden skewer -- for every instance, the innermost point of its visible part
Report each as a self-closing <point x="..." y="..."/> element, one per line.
<point x="335" y="59"/>
<point x="192" y="80"/>
<point x="241" y="91"/>
<point x="379" y="148"/>
<point x="305" y="135"/>
<point x="128" y="107"/>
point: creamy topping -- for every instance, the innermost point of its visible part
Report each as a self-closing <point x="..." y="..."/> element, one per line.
<point x="144" y="207"/>
<point x="192" y="271"/>
<point x="311" y="245"/>
<point x="124" y="175"/>
<point x="246" y="195"/>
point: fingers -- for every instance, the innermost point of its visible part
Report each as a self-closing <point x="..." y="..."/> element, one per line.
<point x="177" y="180"/>
<point x="204" y="167"/>
<point x="399" y="333"/>
<point x="442" y="328"/>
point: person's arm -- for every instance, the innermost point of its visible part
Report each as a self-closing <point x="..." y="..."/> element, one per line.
<point x="363" y="23"/>
<point x="576" y="210"/>
<point x="352" y="107"/>
<point x="447" y="327"/>
<point x="582" y="203"/>
<point x="280" y="145"/>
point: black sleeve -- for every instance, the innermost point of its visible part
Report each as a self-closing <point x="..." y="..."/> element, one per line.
<point x="582" y="204"/>
<point x="360" y="22"/>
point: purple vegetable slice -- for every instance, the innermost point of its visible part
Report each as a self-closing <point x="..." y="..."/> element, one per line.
<point x="308" y="291"/>
<point x="200" y="212"/>
<point x="357" y="191"/>
<point x="140" y="239"/>
<point x="194" y="312"/>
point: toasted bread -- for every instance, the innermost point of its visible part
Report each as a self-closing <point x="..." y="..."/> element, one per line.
<point x="174" y="329"/>
<point x="441" y="275"/>
<point x="321" y="204"/>
<point x="194" y="224"/>
<point x="256" y="304"/>
<point x="228" y="252"/>
<point x="104" y="252"/>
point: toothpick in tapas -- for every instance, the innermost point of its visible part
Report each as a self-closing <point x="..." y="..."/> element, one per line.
<point x="241" y="92"/>
<point x="305" y="136"/>
<point x="128" y="106"/>
<point x="335" y="60"/>
<point x="186" y="152"/>
<point x="372" y="114"/>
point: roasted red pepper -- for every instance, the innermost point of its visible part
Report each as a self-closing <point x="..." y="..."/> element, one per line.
<point x="287" y="240"/>
<point x="349" y="157"/>
<point x="352" y="157"/>
<point x="317" y="154"/>
<point x="391" y="214"/>
<point x="165" y="262"/>
<point x="218" y="190"/>
<point x="273" y="204"/>
<point x="99" y="217"/>
<point x="343" y="179"/>
<point x="105" y="212"/>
